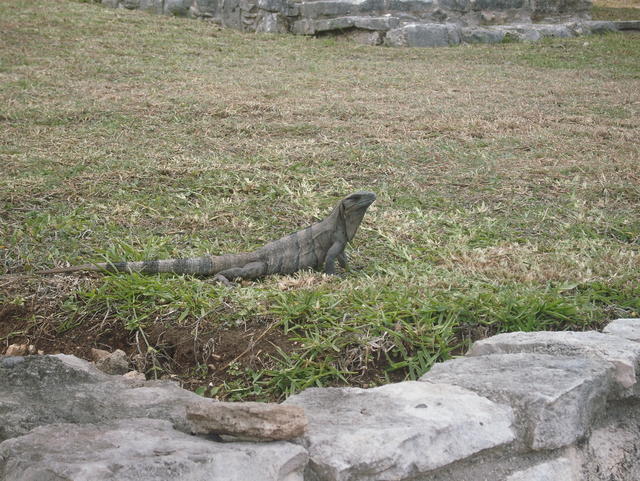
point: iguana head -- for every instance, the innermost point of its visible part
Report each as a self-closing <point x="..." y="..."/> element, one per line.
<point x="352" y="209"/>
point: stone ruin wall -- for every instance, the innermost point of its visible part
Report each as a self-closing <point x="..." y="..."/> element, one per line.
<point x="409" y="23"/>
<point x="523" y="406"/>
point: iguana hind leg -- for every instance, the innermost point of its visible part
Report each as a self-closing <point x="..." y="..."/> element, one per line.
<point x="252" y="270"/>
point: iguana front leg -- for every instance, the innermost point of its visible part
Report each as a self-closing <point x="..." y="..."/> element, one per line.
<point x="252" y="270"/>
<point x="334" y="253"/>
<point x="342" y="260"/>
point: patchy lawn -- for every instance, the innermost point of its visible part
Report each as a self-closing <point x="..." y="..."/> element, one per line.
<point x="507" y="180"/>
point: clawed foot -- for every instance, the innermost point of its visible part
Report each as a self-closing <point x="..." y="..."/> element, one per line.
<point x="223" y="280"/>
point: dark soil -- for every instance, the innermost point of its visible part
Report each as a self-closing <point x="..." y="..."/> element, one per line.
<point x="180" y="352"/>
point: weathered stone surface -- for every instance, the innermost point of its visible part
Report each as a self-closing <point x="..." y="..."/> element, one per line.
<point x="611" y="453"/>
<point x="338" y="23"/>
<point x="519" y="33"/>
<point x="253" y="420"/>
<point x="624" y="355"/>
<point x="204" y="8"/>
<point x="177" y="7"/>
<point x="547" y="9"/>
<point x="39" y="390"/>
<point x="376" y="23"/>
<point x="130" y="4"/>
<point x="113" y="363"/>
<point x="625" y="328"/>
<point x="413" y="23"/>
<point x="601" y="26"/>
<point x="550" y="30"/>
<point x="423" y="35"/>
<point x="481" y="35"/>
<point x="561" y="469"/>
<point x="142" y="450"/>
<point x="555" y="399"/>
<point x="329" y="8"/>
<point x="381" y="24"/>
<point x="397" y="431"/>
<point x="272" y="23"/>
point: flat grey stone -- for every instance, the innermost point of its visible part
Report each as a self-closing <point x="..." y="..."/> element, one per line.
<point x="337" y="23"/>
<point x="624" y="355"/>
<point x="555" y="399"/>
<point x="177" y="7"/>
<point x="423" y="35"/>
<point x="64" y="389"/>
<point x="625" y="328"/>
<point x="601" y="26"/>
<point x="397" y="431"/>
<point x="481" y="35"/>
<point x="142" y="450"/>
<point x="521" y="33"/>
<point x="553" y="30"/>
<point x="329" y="8"/>
<point x="376" y="23"/>
<point x="561" y="469"/>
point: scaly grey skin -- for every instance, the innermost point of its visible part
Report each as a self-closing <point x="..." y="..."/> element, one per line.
<point x="317" y="247"/>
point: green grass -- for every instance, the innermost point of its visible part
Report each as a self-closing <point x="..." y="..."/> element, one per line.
<point x="506" y="176"/>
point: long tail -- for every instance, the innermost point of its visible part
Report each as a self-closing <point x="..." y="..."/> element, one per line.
<point x="195" y="265"/>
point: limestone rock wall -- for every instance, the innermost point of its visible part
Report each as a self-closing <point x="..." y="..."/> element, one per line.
<point x="397" y="23"/>
<point x="538" y="406"/>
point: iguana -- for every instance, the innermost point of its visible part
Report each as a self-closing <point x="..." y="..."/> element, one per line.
<point x="318" y="247"/>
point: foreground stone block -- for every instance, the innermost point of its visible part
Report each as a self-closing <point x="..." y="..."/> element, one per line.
<point x="142" y="450"/>
<point x="39" y="390"/>
<point x="624" y="355"/>
<point x="397" y="431"/>
<point x="555" y="399"/>
<point x="262" y="421"/>
<point x="625" y="328"/>
<point x="561" y="469"/>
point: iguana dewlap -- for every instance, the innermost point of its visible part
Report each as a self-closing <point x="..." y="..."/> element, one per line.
<point x="318" y="246"/>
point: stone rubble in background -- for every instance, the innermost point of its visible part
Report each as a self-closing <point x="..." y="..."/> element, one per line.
<point x="545" y="406"/>
<point x="396" y="23"/>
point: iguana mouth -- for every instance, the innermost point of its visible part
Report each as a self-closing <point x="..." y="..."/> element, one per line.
<point x="366" y="199"/>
